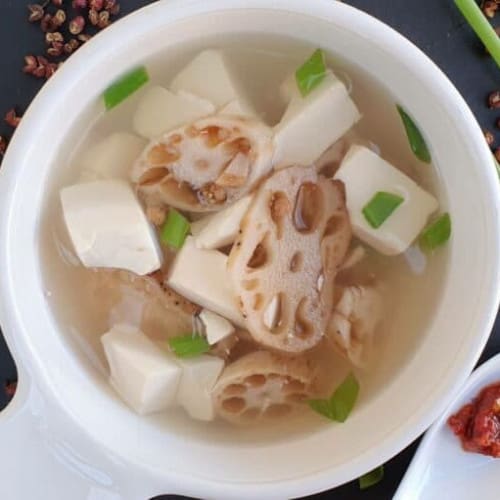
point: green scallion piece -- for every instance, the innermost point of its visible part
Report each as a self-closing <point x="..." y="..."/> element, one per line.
<point x="371" y="478"/>
<point x="415" y="138"/>
<point x="125" y="86"/>
<point x="478" y="22"/>
<point x="380" y="208"/>
<point x="311" y="73"/>
<point x="437" y="233"/>
<point x="189" y="346"/>
<point x="175" y="229"/>
<point x="340" y="404"/>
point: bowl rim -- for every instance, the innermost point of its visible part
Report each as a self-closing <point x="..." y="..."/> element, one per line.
<point x="399" y="48"/>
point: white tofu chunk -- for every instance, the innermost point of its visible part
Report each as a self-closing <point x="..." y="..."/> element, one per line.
<point x="313" y="123"/>
<point x="220" y="229"/>
<point x="209" y="76"/>
<point x="145" y="377"/>
<point x="199" y="376"/>
<point x="201" y="276"/>
<point x="216" y="327"/>
<point x="238" y="108"/>
<point x="112" y="157"/>
<point x="160" y="111"/>
<point x="364" y="173"/>
<point x="108" y="227"/>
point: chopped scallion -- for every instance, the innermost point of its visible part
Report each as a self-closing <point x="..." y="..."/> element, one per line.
<point x="380" y="208"/>
<point x="417" y="142"/>
<point x="125" y="86"/>
<point x="371" y="478"/>
<point x="478" y="22"/>
<point x="175" y="229"/>
<point x="436" y="233"/>
<point x="340" y="404"/>
<point x="189" y="346"/>
<point x="311" y="73"/>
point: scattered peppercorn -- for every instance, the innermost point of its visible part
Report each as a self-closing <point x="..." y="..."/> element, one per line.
<point x="71" y="46"/>
<point x="103" y="21"/>
<point x="10" y="388"/>
<point x="57" y="3"/>
<point x="93" y="17"/>
<point x="56" y="49"/>
<point x="489" y="8"/>
<point x="11" y="118"/>
<point x="76" y="25"/>
<point x="112" y="6"/>
<point x="3" y="145"/>
<point x="494" y="99"/>
<point x="96" y="5"/>
<point x="84" y="37"/>
<point x="79" y="4"/>
<point x="36" y="13"/>
<point x="30" y="64"/>
<point x="47" y="23"/>
<point x="59" y="18"/>
<point x="490" y="139"/>
<point x="55" y="36"/>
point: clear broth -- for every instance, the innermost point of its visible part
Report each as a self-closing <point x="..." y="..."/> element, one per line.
<point x="262" y="64"/>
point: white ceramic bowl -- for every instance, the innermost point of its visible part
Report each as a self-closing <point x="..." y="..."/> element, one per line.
<point x="64" y="413"/>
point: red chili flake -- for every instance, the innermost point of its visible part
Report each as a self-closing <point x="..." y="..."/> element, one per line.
<point x="11" y="118"/>
<point x="10" y="388"/>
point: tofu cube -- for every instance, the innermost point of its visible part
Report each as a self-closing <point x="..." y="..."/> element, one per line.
<point x="220" y="229"/>
<point x="313" y="123"/>
<point x="108" y="227"/>
<point x="199" y="376"/>
<point x="112" y="157"/>
<point x="364" y="173"/>
<point x="208" y="75"/>
<point x="217" y="328"/>
<point x="201" y="276"/>
<point x="145" y="377"/>
<point x="160" y="111"/>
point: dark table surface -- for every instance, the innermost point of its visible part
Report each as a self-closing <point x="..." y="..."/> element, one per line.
<point x="434" y="25"/>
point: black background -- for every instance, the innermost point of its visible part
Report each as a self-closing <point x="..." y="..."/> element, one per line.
<point x="434" y="25"/>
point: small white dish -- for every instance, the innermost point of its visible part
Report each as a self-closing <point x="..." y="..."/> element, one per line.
<point x="441" y="468"/>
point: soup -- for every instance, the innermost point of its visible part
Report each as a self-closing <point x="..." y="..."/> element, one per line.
<point x="246" y="229"/>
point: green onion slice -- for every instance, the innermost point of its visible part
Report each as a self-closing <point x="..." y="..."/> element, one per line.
<point x="371" y="478"/>
<point x="436" y="233"/>
<point x="175" y="229"/>
<point x="417" y="142"/>
<point x="311" y="73"/>
<point x="125" y="87"/>
<point x="189" y="346"/>
<point x="380" y="208"/>
<point x="478" y="22"/>
<point x="340" y="404"/>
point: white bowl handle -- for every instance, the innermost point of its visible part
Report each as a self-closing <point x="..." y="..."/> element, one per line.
<point x="37" y="458"/>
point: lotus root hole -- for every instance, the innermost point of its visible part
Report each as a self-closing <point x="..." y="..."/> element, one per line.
<point x="303" y="327"/>
<point x="251" y="413"/>
<point x="161" y="154"/>
<point x="308" y="208"/>
<point x="296" y="262"/>
<point x="278" y="410"/>
<point x="239" y="145"/>
<point x="273" y="316"/>
<point x="153" y="175"/>
<point x="179" y="189"/>
<point x="260" y="256"/>
<point x="258" y="301"/>
<point x="257" y="380"/>
<point x="234" y="390"/>
<point x="214" y="135"/>
<point x="333" y="225"/>
<point x="233" y="405"/>
<point x="279" y="208"/>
